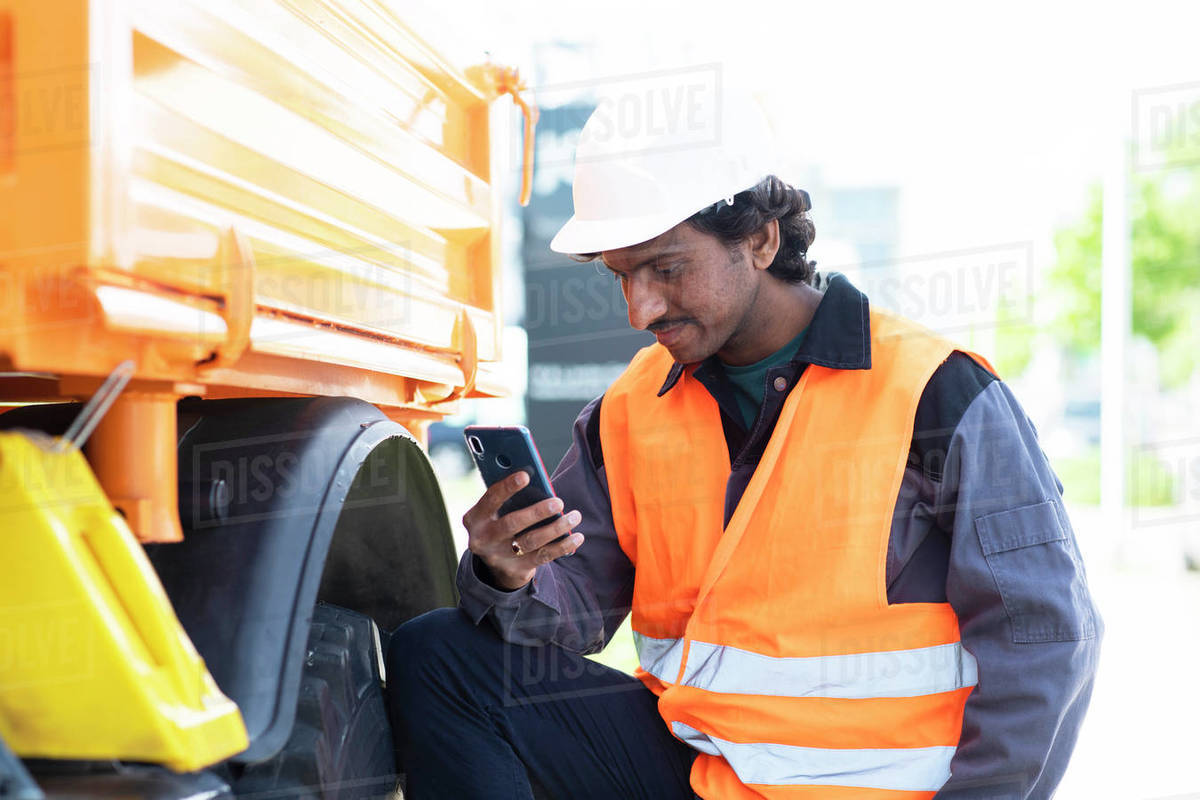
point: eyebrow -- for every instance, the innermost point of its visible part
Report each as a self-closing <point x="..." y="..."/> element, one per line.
<point x="671" y="255"/>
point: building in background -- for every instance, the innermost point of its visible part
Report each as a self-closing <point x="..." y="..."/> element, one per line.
<point x="575" y="320"/>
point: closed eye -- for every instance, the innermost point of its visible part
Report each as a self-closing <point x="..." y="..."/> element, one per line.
<point x="668" y="272"/>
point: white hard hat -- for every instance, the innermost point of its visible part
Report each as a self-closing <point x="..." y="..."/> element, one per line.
<point x="650" y="157"/>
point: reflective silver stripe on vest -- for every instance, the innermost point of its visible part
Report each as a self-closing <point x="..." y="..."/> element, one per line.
<point x="912" y="769"/>
<point x="659" y="657"/>
<point x="891" y="673"/>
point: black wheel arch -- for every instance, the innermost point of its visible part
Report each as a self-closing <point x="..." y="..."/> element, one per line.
<point x="312" y="488"/>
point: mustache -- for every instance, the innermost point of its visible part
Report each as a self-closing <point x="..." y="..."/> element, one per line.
<point x="663" y="324"/>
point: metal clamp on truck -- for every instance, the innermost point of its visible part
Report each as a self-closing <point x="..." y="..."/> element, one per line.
<point x="248" y="253"/>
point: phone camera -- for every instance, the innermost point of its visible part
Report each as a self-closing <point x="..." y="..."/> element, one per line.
<point x="475" y="445"/>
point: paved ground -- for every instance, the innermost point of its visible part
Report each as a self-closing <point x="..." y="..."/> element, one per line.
<point x="1142" y="736"/>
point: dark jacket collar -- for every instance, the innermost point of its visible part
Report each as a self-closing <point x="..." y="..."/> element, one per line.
<point x="839" y="336"/>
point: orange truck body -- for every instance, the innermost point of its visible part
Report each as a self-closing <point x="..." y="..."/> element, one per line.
<point x="246" y="199"/>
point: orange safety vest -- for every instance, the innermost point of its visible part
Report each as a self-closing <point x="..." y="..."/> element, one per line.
<point x="770" y="643"/>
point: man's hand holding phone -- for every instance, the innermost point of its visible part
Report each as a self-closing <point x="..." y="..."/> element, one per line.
<point x="491" y="535"/>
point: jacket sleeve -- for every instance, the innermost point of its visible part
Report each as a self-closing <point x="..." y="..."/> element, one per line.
<point x="1018" y="587"/>
<point x="577" y="602"/>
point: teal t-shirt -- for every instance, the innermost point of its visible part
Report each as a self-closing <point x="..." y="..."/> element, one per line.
<point x="750" y="381"/>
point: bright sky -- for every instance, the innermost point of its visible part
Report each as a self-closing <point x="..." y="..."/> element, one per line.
<point x="991" y="121"/>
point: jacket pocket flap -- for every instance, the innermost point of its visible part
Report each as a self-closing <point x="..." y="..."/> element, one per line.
<point x="1020" y="527"/>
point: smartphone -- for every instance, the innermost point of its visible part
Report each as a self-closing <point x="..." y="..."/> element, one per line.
<point x="499" y="451"/>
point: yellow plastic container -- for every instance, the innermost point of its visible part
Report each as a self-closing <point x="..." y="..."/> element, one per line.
<point x="93" y="661"/>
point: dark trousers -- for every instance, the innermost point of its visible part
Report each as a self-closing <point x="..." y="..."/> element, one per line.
<point x="476" y="717"/>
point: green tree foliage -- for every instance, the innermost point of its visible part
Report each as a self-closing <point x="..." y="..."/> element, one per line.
<point x="1165" y="256"/>
<point x="1016" y="335"/>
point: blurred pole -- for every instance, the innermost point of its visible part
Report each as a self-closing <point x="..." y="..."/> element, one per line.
<point x="1116" y="302"/>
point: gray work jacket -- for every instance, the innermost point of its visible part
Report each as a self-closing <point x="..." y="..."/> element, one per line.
<point x="979" y="522"/>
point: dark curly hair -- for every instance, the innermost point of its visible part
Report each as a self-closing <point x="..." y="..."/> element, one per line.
<point x="769" y="199"/>
<point x="753" y="208"/>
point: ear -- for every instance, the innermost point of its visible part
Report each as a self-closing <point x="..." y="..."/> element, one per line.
<point x="764" y="244"/>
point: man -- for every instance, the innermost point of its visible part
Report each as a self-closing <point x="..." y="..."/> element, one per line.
<point x="848" y="563"/>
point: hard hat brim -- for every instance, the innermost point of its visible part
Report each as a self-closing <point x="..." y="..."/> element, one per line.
<point x="579" y="236"/>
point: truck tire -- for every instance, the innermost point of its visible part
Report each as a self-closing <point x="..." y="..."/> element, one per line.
<point x="287" y="502"/>
<point x="341" y="745"/>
